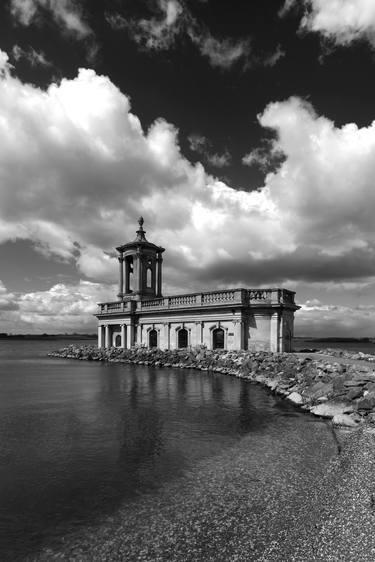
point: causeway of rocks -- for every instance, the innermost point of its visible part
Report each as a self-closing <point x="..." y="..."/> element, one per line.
<point x="332" y="383"/>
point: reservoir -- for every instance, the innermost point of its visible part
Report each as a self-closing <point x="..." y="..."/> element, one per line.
<point x="122" y="462"/>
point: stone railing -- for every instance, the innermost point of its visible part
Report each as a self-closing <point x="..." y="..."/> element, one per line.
<point x="113" y="307"/>
<point x="181" y="300"/>
<point x="243" y="297"/>
<point x="220" y="296"/>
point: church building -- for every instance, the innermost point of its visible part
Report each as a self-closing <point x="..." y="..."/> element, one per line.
<point x="232" y="319"/>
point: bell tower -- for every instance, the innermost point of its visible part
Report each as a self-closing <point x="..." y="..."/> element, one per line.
<point x="141" y="265"/>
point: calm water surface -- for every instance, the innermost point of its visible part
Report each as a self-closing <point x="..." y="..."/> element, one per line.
<point x="80" y="439"/>
<point x="355" y="347"/>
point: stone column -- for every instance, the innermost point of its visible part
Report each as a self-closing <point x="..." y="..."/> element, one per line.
<point x="121" y="279"/>
<point x="160" y="279"/>
<point x="139" y="334"/>
<point x="106" y="339"/>
<point x="280" y="323"/>
<point x="131" y="339"/>
<point x="123" y="336"/>
<point x="100" y="336"/>
<point x="274" y="332"/>
<point x="237" y="334"/>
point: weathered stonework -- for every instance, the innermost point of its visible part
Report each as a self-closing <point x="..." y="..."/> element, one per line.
<point x="233" y="319"/>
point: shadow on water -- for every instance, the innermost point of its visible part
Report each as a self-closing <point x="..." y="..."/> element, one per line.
<point x="80" y="439"/>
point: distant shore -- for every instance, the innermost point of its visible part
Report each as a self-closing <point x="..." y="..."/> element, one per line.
<point x="4" y="336"/>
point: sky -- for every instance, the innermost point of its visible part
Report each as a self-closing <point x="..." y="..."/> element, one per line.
<point x="243" y="132"/>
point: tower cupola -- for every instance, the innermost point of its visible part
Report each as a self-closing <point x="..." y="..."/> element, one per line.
<point x="141" y="265"/>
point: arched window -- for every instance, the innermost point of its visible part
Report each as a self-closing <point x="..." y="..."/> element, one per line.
<point x="149" y="277"/>
<point x="182" y="338"/>
<point x="152" y="338"/>
<point x="218" y="338"/>
<point x="118" y="341"/>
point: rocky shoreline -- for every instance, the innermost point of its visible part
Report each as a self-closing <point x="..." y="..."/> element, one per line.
<point x="344" y="392"/>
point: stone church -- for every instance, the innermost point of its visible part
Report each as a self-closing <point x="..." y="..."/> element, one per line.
<point x="232" y="319"/>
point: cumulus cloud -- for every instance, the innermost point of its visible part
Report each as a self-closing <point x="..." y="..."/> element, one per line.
<point x="201" y="145"/>
<point x="66" y="14"/>
<point x="77" y="169"/>
<point x="341" y="21"/>
<point x="7" y="300"/>
<point x="63" y="308"/>
<point x="318" y="319"/>
<point x="35" y="58"/>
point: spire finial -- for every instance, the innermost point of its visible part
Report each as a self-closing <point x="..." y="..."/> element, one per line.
<point x="140" y="232"/>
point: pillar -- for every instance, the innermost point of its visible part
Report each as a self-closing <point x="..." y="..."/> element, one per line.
<point x="123" y="336"/>
<point x="274" y="333"/>
<point x="280" y="322"/>
<point x="139" y="334"/>
<point x="106" y="340"/>
<point x="160" y="280"/>
<point x="237" y="334"/>
<point x="132" y="335"/>
<point x="121" y="279"/>
<point x="100" y="336"/>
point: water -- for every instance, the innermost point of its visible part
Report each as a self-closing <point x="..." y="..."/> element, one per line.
<point x="353" y="346"/>
<point x="80" y="441"/>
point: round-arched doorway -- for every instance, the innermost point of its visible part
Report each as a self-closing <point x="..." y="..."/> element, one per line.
<point x="182" y="340"/>
<point x="218" y="338"/>
<point x="152" y="338"/>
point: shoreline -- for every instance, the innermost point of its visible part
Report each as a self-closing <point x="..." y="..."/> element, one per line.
<point x="339" y="386"/>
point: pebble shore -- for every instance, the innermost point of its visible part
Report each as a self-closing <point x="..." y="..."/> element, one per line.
<point x="341" y="388"/>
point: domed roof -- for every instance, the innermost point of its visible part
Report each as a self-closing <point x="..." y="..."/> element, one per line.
<point x="140" y="241"/>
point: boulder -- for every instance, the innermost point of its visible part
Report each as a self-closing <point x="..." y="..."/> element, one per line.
<point x="330" y="409"/>
<point x="354" y="382"/>
<point x="366" y="403"/>
<point x="295" y="397"/>
<point x="354" y="393"/>
<point x="343" y="420"/>
<point x="318" y="389"/>
<point x="271" y="383"/>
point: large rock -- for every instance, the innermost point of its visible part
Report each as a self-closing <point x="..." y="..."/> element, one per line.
<point x="331" y="409"/>
<point x="343" y="420"/>
<point x="318" y="389"/>
<point x="366" y="403"/>
<point x="354" y="393"/>
<point x="296" y="398"/>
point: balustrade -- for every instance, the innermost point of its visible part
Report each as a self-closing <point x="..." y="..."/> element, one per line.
<point x="235" y="296"/>
<point x="182" y="300"/>
<point x="219" y="296"/>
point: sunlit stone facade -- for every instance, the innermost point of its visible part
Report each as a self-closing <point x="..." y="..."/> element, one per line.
<point x="233" y="319"/>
